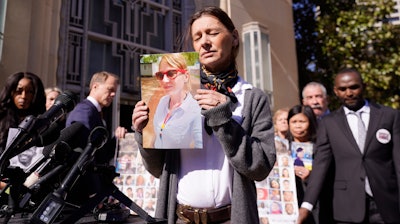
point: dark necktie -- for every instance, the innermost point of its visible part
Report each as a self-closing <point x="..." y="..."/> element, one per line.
<point x="102" y="119"/>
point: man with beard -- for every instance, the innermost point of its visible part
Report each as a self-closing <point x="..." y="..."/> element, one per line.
<point x="314" y="95"/>
<point x="362" y="140"/>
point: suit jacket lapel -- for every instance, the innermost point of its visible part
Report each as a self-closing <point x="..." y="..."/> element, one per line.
<point x="374" y="120"/>
<point x="342" y="119"/>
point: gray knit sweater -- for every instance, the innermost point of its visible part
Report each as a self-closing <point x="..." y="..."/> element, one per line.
<point x="249" y="148"/>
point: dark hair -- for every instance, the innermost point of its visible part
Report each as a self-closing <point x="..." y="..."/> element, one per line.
<point x="306" y="110"/>
<point x="349" y="70"/>
<point x="222" y="16"/>
<point x="9" y="114"/>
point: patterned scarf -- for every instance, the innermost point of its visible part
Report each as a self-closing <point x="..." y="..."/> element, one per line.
<point x="221" y="82"/>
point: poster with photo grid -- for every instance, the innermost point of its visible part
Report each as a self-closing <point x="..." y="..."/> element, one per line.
<point x="276" y="195"/>
<point x="134" y="180"/>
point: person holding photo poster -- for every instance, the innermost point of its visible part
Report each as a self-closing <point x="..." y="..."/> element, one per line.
<point x="215" y="184"/>
<point x="302" y="134"/>
<point x="177" y="120"/>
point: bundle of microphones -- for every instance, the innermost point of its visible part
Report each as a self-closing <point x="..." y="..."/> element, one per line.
<point x="58" y="152"/>
<point x="61" y="155"/>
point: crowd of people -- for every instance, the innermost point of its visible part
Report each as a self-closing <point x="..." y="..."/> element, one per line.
<point x="355" y="169"/>
<point x="355" y="159"/>
<point x="327" y="190"/>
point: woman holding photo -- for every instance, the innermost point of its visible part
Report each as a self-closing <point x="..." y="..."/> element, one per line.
<point x="238" y="136"/>
<point x="302" y="129"/>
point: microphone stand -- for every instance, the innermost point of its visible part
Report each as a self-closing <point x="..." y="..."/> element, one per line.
<point x="37" y="186"/>
<point x="15" y="187"/>
<point x="28" y="133"/>
<point x="22" y="138"/>
<point x="31" y="127"/>
<point x="56" y="162"/>
<point x="25" y="138"/>
<point x="53" y="204"/>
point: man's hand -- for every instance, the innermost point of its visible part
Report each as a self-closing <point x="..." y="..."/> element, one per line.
<point x="303" y="214"/>
<point x="120" y="132"/>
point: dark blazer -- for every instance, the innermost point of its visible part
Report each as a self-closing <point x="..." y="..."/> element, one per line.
<point x="86" y="113"/>
<point x="91" y="182"/>
<point x="380" y="162"/>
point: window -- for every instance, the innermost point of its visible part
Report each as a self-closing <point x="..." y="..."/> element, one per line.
<point x="257" y="57"/>
<point x="395" y="16"/>
<point x="111" y="36"/>
<point x="3" y="6"/>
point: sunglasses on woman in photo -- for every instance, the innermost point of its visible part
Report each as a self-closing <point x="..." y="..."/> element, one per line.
<point x="171" y="74"/>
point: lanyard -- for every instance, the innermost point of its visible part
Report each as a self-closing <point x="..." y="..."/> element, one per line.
<point x="166" y="119"/>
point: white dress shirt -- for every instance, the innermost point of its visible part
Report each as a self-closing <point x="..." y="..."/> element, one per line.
<point x="95" y="103"/>
<point x="352" y="119"/>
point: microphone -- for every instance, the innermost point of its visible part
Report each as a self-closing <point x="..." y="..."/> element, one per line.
<point x="34" y="176"/>
<point x="57" y="151"/>
<point x="51" y="206"/>
<point x="97" y="138"/>
<point x="70" y="135"/>
<point x="31" y="127"/>
<point x="50" y="135"/>
<point x="64" y="103"/>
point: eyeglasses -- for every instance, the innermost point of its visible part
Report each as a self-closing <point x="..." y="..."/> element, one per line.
<point x="171" y="74"/>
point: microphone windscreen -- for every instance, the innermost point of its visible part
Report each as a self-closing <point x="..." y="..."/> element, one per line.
<point x="98" y="136"/>
<point x="50" y="135"/>
<point x="61" y="151"/>
<point x="67" y="99"/>
<point x="70" y="135"/>
<point x="31" y="179"/>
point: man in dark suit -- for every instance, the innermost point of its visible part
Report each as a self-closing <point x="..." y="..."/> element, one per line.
<point x="315" y="95"/>
<point x="103" y="87"/>
<point x="367" y="173"/>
